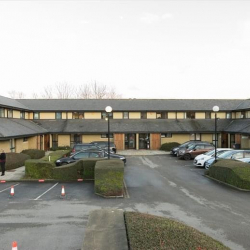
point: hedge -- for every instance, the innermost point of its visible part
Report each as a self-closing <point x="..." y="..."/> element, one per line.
<point x="34" y="153"/>
<point x="38" y="169"/>
<point x="169" y="145"/>
<point x="233" y="172"/>
<point x="15" y="160"/>
<point x="109" y="176"/>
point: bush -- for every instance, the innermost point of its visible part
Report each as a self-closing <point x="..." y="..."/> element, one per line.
<point x="109" y="176"/>
<point x="153" y="232"/>
<point x="169" y="145"/>
<point x="233" y="172"/>
<point x="15" y="160"/>
<point x="34" y="153"/>
<point x="38" y="169"/>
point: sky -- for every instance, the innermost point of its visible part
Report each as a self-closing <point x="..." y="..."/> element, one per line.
<point x="144" y="49"/>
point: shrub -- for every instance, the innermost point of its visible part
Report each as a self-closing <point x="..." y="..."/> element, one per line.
<point x="34" y="153"/>
<point x="233" y="172"/>
<point x="38" y="169"/>
<point x="153" y="232"/>
<point x="15" y="160"/>
<point x="109" y="176"/>
<point x="169" y="145"/>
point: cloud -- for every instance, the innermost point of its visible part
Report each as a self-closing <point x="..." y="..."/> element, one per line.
<point x="150" y="18"/>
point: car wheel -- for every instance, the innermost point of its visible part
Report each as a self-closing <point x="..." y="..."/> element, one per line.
<point x="187" y="157"/>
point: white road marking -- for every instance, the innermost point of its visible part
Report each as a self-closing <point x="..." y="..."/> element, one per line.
<point x="45" y="192"/>
<point x="9" y="187"/>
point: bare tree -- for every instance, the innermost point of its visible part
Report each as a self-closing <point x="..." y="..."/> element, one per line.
<point x="98" y="91"/>
<point x="34" y="96"/>
<point x="64" y="90"/>
<point x="16" y="94"/>
<point x="84" y="92"/>
<point x="111" y="94"/>
<point x="48" y="92"/>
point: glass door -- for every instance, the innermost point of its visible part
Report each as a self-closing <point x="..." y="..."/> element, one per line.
<point x="130" y="141"/>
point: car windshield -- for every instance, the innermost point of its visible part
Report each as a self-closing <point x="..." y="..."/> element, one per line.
<point x="191" y="146"/>
<point x="226" y="155"/>
<point x="209" y="153"/>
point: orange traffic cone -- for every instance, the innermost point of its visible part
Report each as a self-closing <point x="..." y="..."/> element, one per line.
<point x="63" y="192"/>
<point x="12" y="191"/>
<point x="14" y="245"/>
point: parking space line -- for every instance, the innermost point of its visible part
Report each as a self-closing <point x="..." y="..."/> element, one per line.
<point x="45" y="192"/>
<point x="9" y="187"/>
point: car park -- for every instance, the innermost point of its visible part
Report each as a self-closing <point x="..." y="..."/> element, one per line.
<point x="194" y="149"/>
<point x="88" y="153"/>
<point x="104" y="145"/>
<point x="199" y="160"/>
<point x="232" y="154"/>
<point x="82" y="146"/>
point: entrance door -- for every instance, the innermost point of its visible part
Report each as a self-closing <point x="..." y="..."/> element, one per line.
<point x="144" y="140"/>
<point x="130" y="141"/>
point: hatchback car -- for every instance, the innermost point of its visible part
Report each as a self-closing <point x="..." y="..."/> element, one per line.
<point x="175" y="150"/>
<point x="195" y="149"/>
<point x="88" y="153"/>
<point x="232" y="154"/>
<point x="199" y="160"/>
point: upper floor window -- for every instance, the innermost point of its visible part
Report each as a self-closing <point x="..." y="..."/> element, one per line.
<point x="10" y="113"/>
<point x="36" y="115"/>
<point x="162" y="115"/>
<point x="2" y="112"/>
<point x="78" y="115"/>
<point x="22" y="115"/>
<point x="143" y="115"/>
<point x="207" y="115"/>
<point x="58" y="115"/>
<point x="125" y="115"/>
<point x="190" y="115"/>
<point x="229" y="115"/>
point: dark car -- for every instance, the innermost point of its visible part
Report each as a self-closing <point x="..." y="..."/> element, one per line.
<point x="174" y="151"/>
<point x="104" y="145"/>
<point x="194" y="149"/>
<point x="88" y="153"/>
<point x="82" y="146"/>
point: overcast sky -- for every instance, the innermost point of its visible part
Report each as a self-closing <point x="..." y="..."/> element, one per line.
<point x="145" y="49"/>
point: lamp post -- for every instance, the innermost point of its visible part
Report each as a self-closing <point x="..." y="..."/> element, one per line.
<point x="215" y="109"/>
<point x="108" y="110"/>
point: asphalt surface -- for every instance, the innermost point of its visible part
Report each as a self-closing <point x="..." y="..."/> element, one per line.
<point x="37" y="217"/>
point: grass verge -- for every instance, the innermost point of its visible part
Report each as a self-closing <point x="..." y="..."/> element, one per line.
<point x="153" y="232"/>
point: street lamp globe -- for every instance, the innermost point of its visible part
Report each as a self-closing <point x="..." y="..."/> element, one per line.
<point x="108" y="109"/>
<point x="216" y="108"/>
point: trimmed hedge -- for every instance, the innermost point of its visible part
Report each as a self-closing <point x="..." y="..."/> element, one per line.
<point x="233" y="172"/>
<point x="38" y="169"/>
<point x="153" y="232"/>
<point x="34" y="153"/>
<point x="109" y="176"/>
<point x="15" y="160"/>
<point x="82" y="169"/>
<point x="169" y="145"/>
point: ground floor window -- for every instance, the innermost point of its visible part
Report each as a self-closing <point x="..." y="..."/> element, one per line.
<point x="54" y="140"/>
<point x="107" y="136"/>
<point x="74" y="139"/>
<point x="196" y="137"/>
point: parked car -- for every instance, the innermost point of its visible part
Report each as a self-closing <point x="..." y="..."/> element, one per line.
<point x="232" y="154"/>
<point x="88" y="153"/>
<point x="194" y="149"/>
<point x="104" y="145"/>
<point x="247" y="160"/>
<point x="199" y="160"/>
<point x="175" y="150"/>
<point x="82" y="146"/>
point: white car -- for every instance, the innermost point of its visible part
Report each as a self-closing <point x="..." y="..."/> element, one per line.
<point x="199" y="160"/>
<point x="247" y="160"/>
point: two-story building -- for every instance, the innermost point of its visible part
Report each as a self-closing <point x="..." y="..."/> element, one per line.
<point x="134" y="123"/>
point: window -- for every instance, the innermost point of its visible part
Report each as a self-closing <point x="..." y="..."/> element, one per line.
<point x="10" y="113"/>
<point x="106" y="136"/>
<point x="74" y="139"/>
<point x="22" y="115"/>
<point x="78" y="115"/>
<point x="143" y="115"/>
<point x="125" y="115"/>
<point x="54" y="141"/>
<point x="162" y="115"/>
<point x="104" y="114"/>
<point x="229" y="115"/>
<point x="2" y="112"/>
<point x="58" y="115"/>
<point x="166" y="135"/>
<point x="25" y="139"/>
<point x="243" y="114"/>
<point x="36" y="115"/>
<point x="81" y="155"/>
<point x="196" y="137"/>
<point x="190" y="115"/>
<point x="207" y="115"/>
